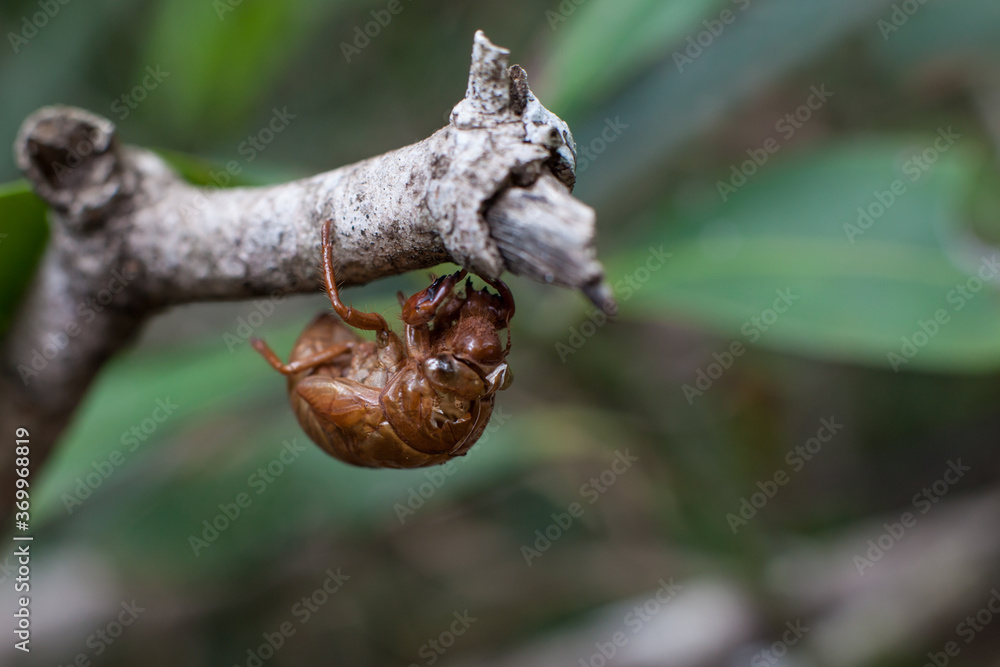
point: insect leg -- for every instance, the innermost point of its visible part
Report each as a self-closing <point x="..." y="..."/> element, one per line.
<point x="299" y="365"/>
<point x="357" y="319"/>
<point x="508" y="298"/>
<point x="508" y="302"/>
<point x="421" y="307"/>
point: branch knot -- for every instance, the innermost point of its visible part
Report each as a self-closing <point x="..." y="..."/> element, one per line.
<point x="73" y="161"/>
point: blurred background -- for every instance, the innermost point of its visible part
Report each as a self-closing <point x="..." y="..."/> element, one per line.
<point x="783" y="451"/>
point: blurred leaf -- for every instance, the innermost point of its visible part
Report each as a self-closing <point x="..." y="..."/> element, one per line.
<point x="23" y="232"/>
<point x="199" y="171"/>
<point x="668" y="106"/>
<point x="222" y="56"/>
<point x="311" y="491"/>
<point x="983" y="210"/>
<point x="602" y="43"/>
<point x="201" y="379"/>
<point x="787" y="230"/>
<point x="204" y="379"/>
<point x="948" y="32"/>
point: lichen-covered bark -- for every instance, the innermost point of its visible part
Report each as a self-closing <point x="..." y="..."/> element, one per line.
<point x="129" y="237"/>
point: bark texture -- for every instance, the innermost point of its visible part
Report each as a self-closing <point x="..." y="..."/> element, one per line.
<point x="490" y="191"/>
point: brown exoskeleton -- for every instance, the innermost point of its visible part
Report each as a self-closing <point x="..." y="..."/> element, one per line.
<point x="396" y="404"/>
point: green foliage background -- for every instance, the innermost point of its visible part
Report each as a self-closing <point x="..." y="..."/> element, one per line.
<point x="567" y="412"/>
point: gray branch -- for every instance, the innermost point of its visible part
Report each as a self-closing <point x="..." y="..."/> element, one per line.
<point x="129" y="237"/>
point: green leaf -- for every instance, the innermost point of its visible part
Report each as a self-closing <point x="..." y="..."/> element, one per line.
<point x="23" y="232"/>
<point x="601" y="43"/>
<point x="960" y="32"/>
<point x="310" y="490"/>
<point x="672" y="103"/>
<point x="221" y="56"/>
<point x="858" y="293"/>
<point x="206" y="173"/>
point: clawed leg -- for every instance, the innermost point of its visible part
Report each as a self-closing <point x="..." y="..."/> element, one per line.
<point x="357" y="319"/>
<point x="505" y="293"/>
<point x="421" y="307"/>
<point x="508" y="303"/>
<point x="447" y="312"/>
<point x="299" y="365"/>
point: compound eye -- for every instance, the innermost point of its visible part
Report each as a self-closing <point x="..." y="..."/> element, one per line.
<point x="440" y="369"/>
<point x="450" y="375"/>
